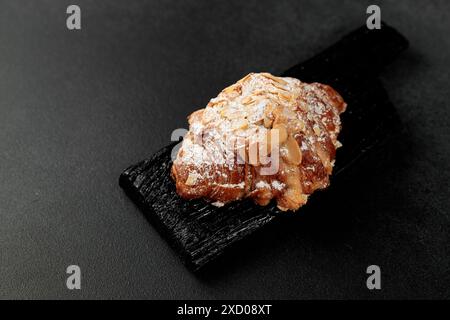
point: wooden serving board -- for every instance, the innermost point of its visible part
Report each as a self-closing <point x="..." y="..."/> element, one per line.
<point x="200" y="232"/>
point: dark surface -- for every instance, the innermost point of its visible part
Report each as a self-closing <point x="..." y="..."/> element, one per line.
<point x="201" y="232"/>
<point x="66" y="101"/>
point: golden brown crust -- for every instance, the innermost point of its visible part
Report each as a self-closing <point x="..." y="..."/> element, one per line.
<point x="293" y="126"/>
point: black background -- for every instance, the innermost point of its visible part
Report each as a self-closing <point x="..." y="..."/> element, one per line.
<point x="77" y="107"/>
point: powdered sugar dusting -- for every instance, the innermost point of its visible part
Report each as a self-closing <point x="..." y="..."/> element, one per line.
<point x="220" y="135"/>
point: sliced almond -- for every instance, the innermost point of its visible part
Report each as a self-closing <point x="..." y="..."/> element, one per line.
<point x="216" y="102"/>
<point x="294" y="154"/>
<point x="229" y="89"/>
<point x="280" y="87"/>
<point x="292" y="178"/>
<point x="268" y="122"/>
<point x="317" y="130"/>
<point x="230" y="113"/>
<point x="282" y="132"/>
<point x="246" y="77"/>
<point x="285" y="97"/>
<point x="276" y="79"/>
<point x="259" y="92"/>
<point x="248" y="100"/>
<point x="239" y="124"/>
<point x="300" y="125"/>
<point x="324" y="157"/>
<point x="233" y="88"/>
<point x="191" y="180"/>
<point x="292" y="197"/>
<point x="304" y="106"/>
<point x="277" y="115"/>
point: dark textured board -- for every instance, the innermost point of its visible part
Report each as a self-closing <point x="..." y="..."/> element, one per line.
<point x="200" y="232"/>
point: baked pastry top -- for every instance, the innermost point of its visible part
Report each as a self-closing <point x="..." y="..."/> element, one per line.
<point x="263" y="137"/>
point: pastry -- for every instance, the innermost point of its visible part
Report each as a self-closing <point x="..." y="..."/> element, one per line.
<point x="264" y="137"/>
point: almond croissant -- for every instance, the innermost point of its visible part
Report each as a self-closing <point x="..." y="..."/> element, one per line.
<point x="263" y="137"/>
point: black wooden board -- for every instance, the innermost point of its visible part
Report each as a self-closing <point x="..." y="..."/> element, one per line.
<point x="200" y="232"/>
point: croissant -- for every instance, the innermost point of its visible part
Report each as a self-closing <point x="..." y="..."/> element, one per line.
<point x="263" y="138"/>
